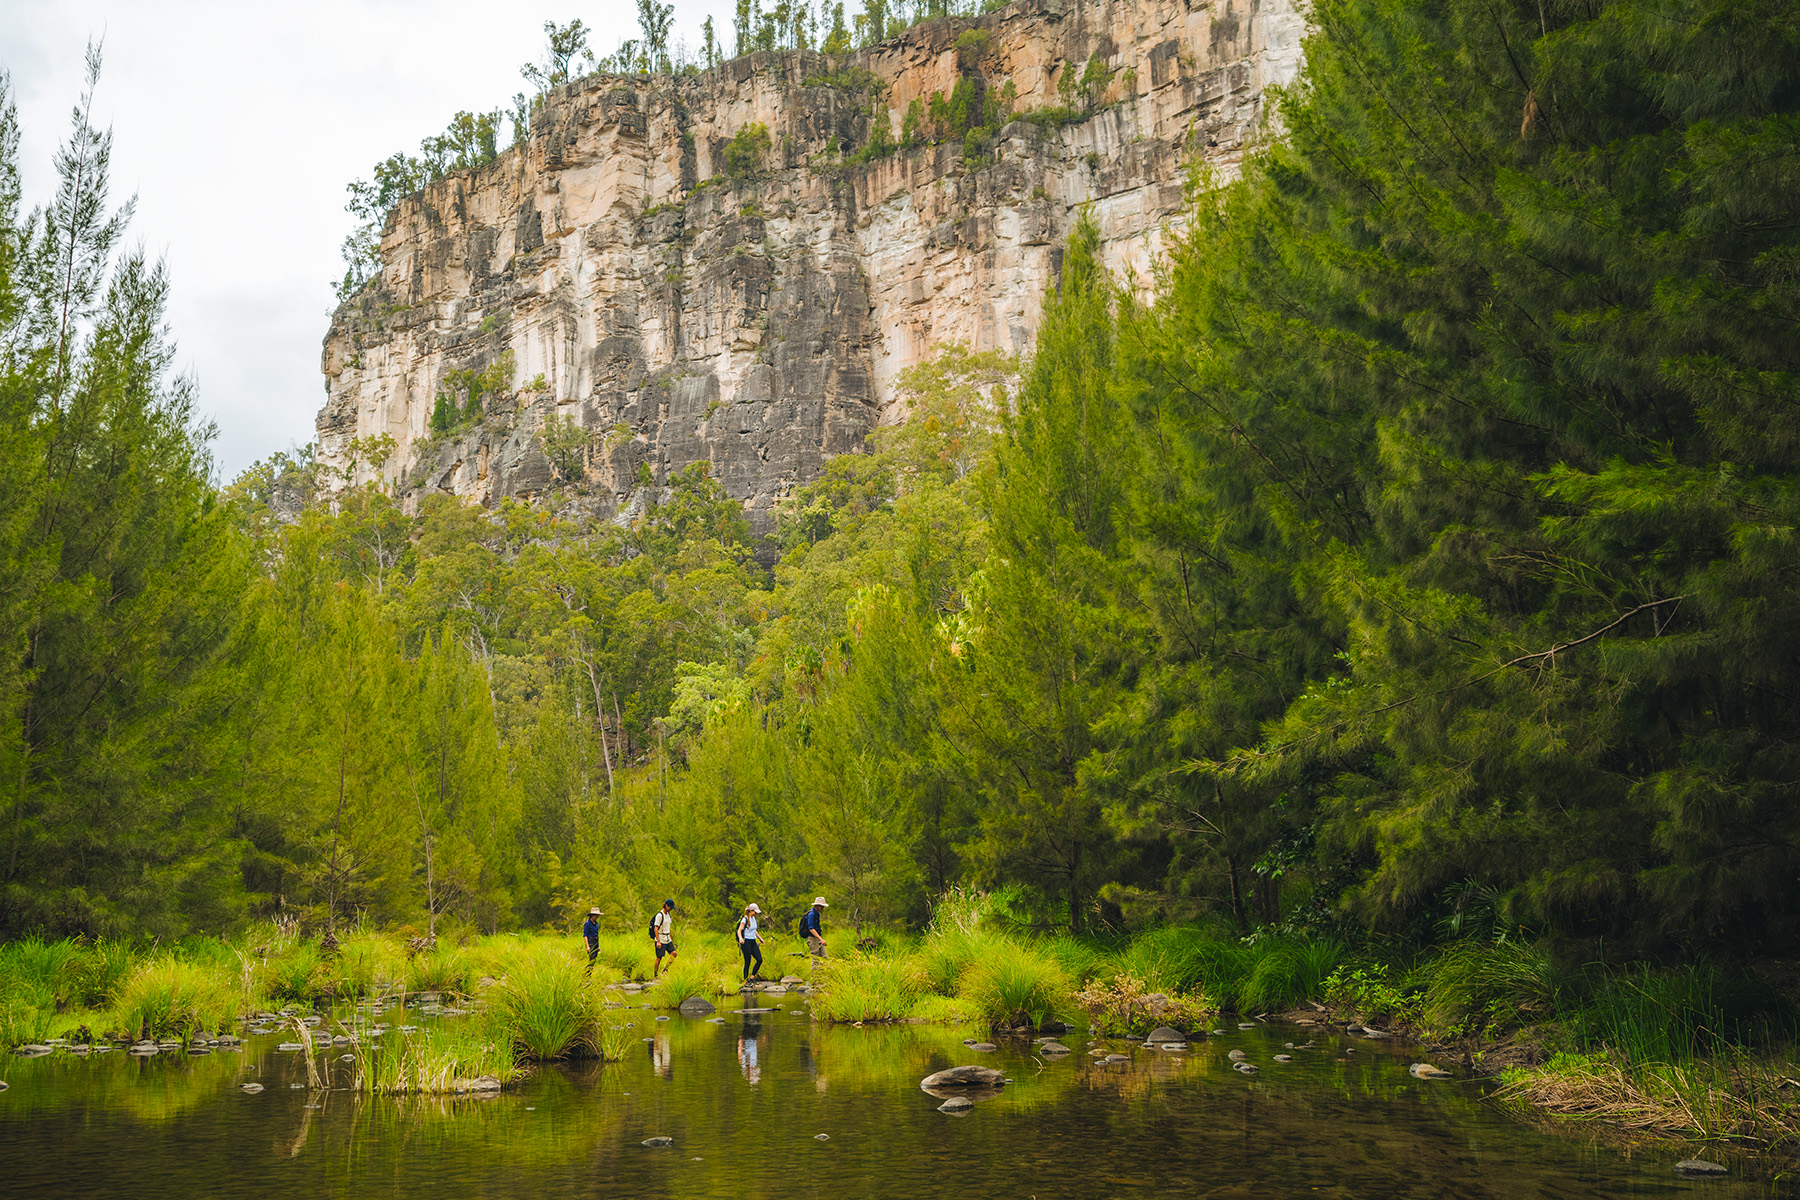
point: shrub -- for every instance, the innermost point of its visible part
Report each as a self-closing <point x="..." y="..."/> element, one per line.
<point x="1367" y="991"/>
<point x="745" y="152"/>
<point x="1125" y="1005"/>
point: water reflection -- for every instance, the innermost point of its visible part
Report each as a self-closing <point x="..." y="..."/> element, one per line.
<point x="753" y="1091"/>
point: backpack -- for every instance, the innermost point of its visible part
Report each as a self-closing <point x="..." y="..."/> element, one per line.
<point x="658" y="913"/>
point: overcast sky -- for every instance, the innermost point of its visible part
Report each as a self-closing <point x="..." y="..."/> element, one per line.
<point x="238" y="126"/>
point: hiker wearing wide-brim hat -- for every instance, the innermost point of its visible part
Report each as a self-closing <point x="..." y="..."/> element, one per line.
<point x="812" y="926"/>
<point x="749" y="942"/>
<point x="590" y="929"/>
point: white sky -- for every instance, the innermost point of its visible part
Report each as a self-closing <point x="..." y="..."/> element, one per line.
<point x="238" y="126"/>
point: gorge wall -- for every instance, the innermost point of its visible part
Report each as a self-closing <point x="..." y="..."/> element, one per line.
<point x="612" y="274"/>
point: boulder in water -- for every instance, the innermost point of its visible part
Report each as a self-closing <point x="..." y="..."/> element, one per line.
<point x="1428" y="1071"/>
<point x="33" y="1051"/>
<point x="964" y="1077"/>
<point x="956" y="1104"/>
<point x="983" y="1047"/>
<point x="1237" y="1056"/>
<point x="252" y="1088"/>
<point x="1164" y="1033"/>
<point x="1055" y="1048"/>
<point x="659" y="1141"/>
<point x="696" y="1006"/>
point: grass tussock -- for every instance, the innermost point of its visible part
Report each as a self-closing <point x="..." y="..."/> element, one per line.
<point x="1014" y="985"/>
<point x="1726" y="1098"/>
<point x="445" y="1059"/>
<point x="548" y="1009"/>
<point x="695" y="972"/>
<point x="168" y="997"/>
<point x="869" y="987"/>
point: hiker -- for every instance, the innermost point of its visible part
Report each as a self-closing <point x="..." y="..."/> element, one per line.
<point x="811" y="928"/>
<point x="749" y="942"/>
<point x="662" y="935"/>
<point x="590" y="929"/>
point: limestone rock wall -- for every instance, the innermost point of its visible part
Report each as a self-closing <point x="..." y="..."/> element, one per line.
<point x="681" y="315"/>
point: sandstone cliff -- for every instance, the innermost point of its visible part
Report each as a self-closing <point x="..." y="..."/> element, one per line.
<point x="613" y="274"/>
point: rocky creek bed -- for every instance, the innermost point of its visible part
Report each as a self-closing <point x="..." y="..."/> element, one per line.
<point x="759" y="1099"/>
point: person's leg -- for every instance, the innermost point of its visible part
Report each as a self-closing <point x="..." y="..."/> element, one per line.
<point x="747" y="948"/>
<point x="757" y="946"/>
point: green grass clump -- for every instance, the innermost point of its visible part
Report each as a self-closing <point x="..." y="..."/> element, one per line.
<point x="1287" y="973"/>
<point x="442" y="1059"/>
<point x="1186" y="958"/>
<point x="1012" y="985"/>
<point x="291" y="973"/>
<point x="1679" y="1014"/>
<point x="172" y="997"/>
<point x="1476" y="987"/>
<point x="444" y="969"/>
<point x="869" y="987"/>
<point x="695" y="972"/>
<point x="547" y="1008"/>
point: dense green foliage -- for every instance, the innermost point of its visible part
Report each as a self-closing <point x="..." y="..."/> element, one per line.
<point x="1421" y="559"/>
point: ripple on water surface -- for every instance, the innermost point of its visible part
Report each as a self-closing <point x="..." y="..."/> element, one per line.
<point x="768" y="1104"/>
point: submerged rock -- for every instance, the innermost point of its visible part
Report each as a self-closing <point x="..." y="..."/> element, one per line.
<point x="983" y="1047"/>
<point x="659" y="1141"/>
<point x="251" y="1088"/>
<point x="1428" y="1071"/>
<point x="821" y="1137"/>
<point x="1245" y="1067"/>
<point x="964" y="1077"/>
<point x="289" y="1046"/>
<point x="1700" y="1167"/>
<point x="956" y="1104"/>
<point x="485" y="1083"/>
<point x="33" y="1051"/>
<point x="1055" y="1048"/>
<point x="696" y="1006"/>
<point x="1237" y="1056"/>
<point x="1165" y="1033"/>
<point x="1284" y="1058"/>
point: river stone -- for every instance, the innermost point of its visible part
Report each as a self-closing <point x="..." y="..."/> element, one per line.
<point x="346" y="1058"/>
<point x="484" y="1083"/>
<point x="821" y="1137"/>
<point x="1175" y="1046"/>
<point x="33" y="1051"/>
<point x="956" y="1104"/>
<point x="1245" y="1067"/>
<point x="964" y="1077"/>
<point x="1110" y="1059"/>
<point x="197" y="1051"/>
<point x="170" y="1046"/>
<point x="1218" y="1031"/>
<point x="252" y="1088"/>
<point x="289" y="1046"/>
<point x="1246" y="1025"/>
<point x="1700" y="1167"/>
<point x="4" y="1085"/>
<point x="695" y="1006"/>
<point x="791" y="980"/>
<point x="144" y="1049"/>
<point x="1284" y="1058"/>
<point x="1428" y="1071"/>
<point x="1237" y="1056"/>
<point x="1163" y="1033"/>
<point x="659" y="1141"/>
<point x="983" y="1047"/>
<point x="1055" y="1048"/>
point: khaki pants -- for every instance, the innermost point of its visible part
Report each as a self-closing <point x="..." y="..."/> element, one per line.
<point x="816" y="944"/>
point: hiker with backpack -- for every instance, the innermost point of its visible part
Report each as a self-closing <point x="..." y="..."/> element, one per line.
<point x="749" y="942"/>
<point x="812" y="929"/>
<point x="662" y="935"/>
<point x="590" y="930"/>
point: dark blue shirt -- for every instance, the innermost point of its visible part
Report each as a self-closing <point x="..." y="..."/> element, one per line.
<point x="591" y="930"/>
<point x="810" y="923"/>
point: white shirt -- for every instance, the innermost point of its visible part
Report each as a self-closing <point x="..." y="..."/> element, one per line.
<point x="664" y="923"/>
<point x="748" y="929"/>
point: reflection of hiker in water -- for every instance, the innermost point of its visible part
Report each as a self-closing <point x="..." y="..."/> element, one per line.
<point x="661" y="1061"/>
<point x="749" y="1052"/>
<point x="590" y="929"/>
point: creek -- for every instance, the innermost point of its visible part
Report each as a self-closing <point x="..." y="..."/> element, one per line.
<point x="745" y="1096"/>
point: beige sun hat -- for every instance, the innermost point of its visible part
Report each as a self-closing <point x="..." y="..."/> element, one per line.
<point x="752" y="908"/>
<point x="819" y="902"/>
<point x="594" y="912"/>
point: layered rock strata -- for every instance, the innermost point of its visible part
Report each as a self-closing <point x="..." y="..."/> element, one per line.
<point x="658" y="304"/>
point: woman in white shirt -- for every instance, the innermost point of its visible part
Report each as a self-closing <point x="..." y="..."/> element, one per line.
<point x="749" y="942"/>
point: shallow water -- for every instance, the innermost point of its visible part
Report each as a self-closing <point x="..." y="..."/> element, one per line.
<point x="744" y="1100"/>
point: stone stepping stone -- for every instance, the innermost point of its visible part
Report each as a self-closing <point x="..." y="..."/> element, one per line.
<point x="251" y="1088"/>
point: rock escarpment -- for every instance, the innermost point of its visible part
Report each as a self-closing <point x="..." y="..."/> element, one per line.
<point x="661" y="299"/>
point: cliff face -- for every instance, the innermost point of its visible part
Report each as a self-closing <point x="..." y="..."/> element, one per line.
<point x="614" y="275"/>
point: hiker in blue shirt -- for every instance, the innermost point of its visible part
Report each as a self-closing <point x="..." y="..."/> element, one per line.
<point x="590" y="929"/>
<point x="749" y="942"/>
<point x="812" y="929"/>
